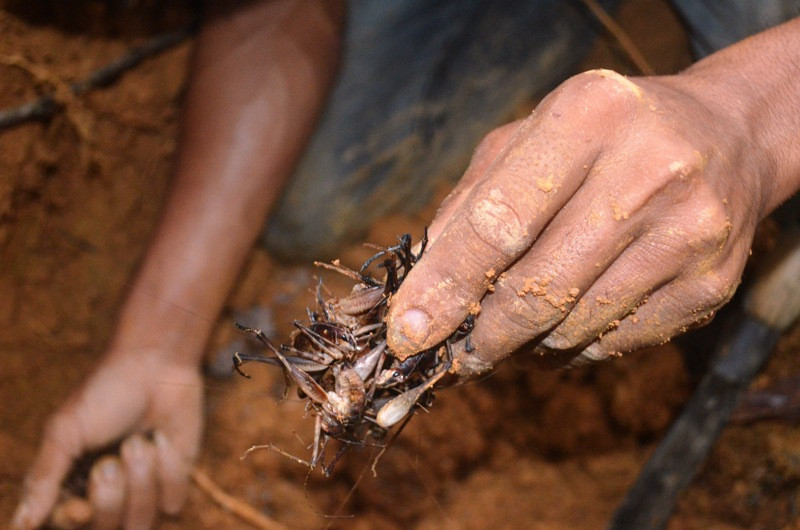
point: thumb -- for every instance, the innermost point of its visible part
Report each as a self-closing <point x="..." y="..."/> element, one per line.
<point x="177" y="442"/>
<point x="61" y="445"/>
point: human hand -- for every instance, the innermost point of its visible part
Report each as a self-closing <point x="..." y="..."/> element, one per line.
<point x="131" y="394"/>
<point x="616" y="216"/>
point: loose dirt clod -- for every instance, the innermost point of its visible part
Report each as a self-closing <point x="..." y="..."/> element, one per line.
<point x="339" y="360"/>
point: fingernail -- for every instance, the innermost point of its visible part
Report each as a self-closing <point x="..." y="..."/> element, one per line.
<point x="555" y="342"/>
<point x="134" y="446"/>
<point x="110" y="469"/>
<point x="160" y="440"/>
<point x="595" y="352"/>
<point x="411" y="330"/>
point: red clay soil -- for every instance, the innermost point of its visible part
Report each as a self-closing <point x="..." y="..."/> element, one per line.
<point x="79" y="196"/>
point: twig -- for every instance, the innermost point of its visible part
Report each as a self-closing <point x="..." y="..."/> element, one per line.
<point x="47" y="105"/>
<point x="620" y="35"/>
<point x="239" y="508"/>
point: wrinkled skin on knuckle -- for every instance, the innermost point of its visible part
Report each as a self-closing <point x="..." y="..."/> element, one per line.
<point x="689" y="302"/>
<point x="680" y="206"/>
<point x="532" y="314"/>
<point x="707" y="228"/>
<point x="650" y="174"/>
<point x="715" y="289"/>
<point x="587" y="321"/>
<point x="495" y="222"/>
<point x="677" y="164"/>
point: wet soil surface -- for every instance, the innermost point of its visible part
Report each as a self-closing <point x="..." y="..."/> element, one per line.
<point x="79" y="196"/>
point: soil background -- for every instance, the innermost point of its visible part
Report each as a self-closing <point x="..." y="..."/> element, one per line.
<point x="79" y="196"/>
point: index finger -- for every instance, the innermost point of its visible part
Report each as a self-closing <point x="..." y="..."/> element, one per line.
<point x="535" y="175"/>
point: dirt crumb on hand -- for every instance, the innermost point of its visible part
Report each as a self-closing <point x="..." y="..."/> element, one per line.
<point x="553" y="301"/>
<point x="535" y="286"/>
<point x="617" y="213"/>
<point x="574" y="292"/>
<point x="474" y="308"/>
<point x="545" y="184"/>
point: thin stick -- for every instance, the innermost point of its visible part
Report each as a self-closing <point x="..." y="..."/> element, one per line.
<point x="47" y="105"/>
<point x="620" y="35"/>
<point x="239" y="508"/>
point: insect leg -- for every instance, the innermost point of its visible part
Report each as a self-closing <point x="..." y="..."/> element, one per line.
<point x="329" y="347"/>
<point x="303" y="380"/>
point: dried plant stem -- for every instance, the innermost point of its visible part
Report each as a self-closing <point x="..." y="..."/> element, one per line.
<point x="620" y="35"/>
<point x="239" y="508"/>
<point x="47" y="105"/>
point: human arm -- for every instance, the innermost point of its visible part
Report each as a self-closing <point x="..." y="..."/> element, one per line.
<point x="619" y="214"/>
<point x="258" y="78"/>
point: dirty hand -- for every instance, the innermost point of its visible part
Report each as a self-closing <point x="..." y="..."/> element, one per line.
<point x="130" y="395"/>
<point x="619" y="214"/>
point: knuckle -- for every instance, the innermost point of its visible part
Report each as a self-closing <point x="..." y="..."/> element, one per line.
<point x="521" y="322"/>
<point x="603" y="89"/>
<point x="684" y="160"/>
<point x="679" y="162"/>
<point x="710" y="223"/>
<point x="715" y="289"/>
<point x="672" y="170"/>
<point x="495" y="222"/>
<point x="592" y="100"/>
<point x="611" y="82"/>
<point x="536" y="305"/>
<point x="586" y="322"/>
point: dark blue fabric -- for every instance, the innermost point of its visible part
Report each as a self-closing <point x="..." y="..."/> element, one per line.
<point x="715" y="24"/>
<point x="421" y="82"/>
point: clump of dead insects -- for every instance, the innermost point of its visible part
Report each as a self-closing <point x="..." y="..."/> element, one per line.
<point x="355" y="388"/>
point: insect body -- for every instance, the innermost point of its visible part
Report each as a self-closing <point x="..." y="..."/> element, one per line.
<point x="340" y="361"/>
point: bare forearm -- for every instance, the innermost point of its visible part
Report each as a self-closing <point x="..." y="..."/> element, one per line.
<point x="757" y="81"/>
<point x="258" y="80"/>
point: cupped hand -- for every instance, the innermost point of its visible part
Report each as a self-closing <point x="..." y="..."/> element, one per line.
<point x="150" y="403"/>
<point x="619" y="214"/>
